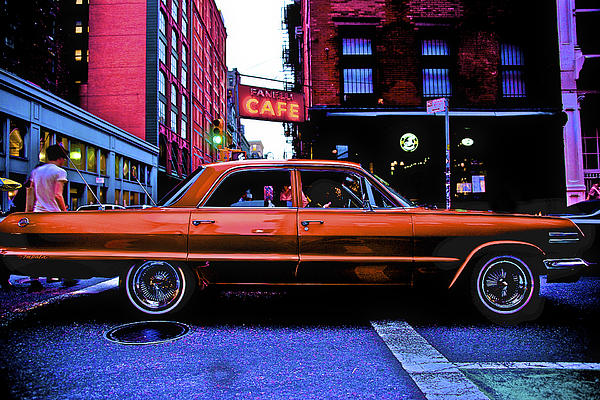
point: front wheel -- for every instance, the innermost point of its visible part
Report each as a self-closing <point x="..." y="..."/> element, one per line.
<point x="159" y="287"/>
<point x="505" y="289"/>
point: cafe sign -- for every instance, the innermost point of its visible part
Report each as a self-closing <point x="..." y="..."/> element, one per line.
<point x="271" y="104"/>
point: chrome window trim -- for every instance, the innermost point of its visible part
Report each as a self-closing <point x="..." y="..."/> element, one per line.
<point x="238" y="169"/>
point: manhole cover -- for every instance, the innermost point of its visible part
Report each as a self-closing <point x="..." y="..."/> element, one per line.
<point x="147" y="332"/>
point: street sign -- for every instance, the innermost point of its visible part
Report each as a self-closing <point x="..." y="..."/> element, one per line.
<point x="441" y="105"/>
<point x="436" y="105"/>
<point x="99" y="180"/>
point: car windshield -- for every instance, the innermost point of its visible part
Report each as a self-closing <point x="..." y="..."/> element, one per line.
<point x="178" y="191"/>
<point x="405" y="202"/>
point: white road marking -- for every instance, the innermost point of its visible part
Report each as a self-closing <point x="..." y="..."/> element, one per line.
<point x="439" y="378"/>
<point x="99" y="287"/>
<point x="435" y="376"/>
<point x="530" y="365"/>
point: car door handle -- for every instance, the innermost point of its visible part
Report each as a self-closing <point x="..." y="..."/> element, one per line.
<point x="309" y="221"/>
<point x="197" y="222"/>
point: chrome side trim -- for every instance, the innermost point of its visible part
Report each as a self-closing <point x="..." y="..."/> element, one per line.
<point x="563" y="237"/>
<point x="565" y="263"/>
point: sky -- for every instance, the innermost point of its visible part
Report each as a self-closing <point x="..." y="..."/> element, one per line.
<point x="254" y="47"/>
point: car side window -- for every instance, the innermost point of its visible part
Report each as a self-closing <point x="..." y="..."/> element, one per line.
<point x="332" y="189"/>
<point x="251" y="188"/>
<point x="378" y="199"/>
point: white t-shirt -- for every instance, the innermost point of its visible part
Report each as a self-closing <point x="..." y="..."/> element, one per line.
<point x="44" y="179"/>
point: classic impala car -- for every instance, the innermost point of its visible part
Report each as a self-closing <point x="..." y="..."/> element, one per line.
<point x="296" y="222"/>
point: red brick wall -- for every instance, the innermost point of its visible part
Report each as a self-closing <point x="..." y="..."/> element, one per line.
<point x="399" y="28"/>
<point x="116" y="90"/>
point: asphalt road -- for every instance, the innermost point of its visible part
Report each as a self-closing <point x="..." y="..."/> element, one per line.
<point x="300" y="343"/>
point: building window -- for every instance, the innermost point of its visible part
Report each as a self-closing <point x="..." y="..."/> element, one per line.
<point x="126" y="169"/>
<point x="174" y="64"/>
<point x="162" y="111"/>
<point x="174" y="10"/>
<point x="183" y="126"/>
<point x="174" y="41"/>
<point x="356" y="47"/>
<point x="512" y="71"/>
<point x="92" y="165"/>
<point x="103" y="159"/>
<point x="436" y="72"/>
<point x="162" y="51"/>
<point x="78" y="2"/>
<point x="174" y="120"/>
<point x="162" y="88"/>
<point x="436" y="82"/>
<point x="78" y="56"/>
<point x="76" y="154"/>
<point x="184" y="77"/>
<point x="16" y="139"/>
<point x="184" y="25"/>
<point x="173" y="95"/>
<point x="183" y="105"/>
<point x="162" y="24"/>
<point x="591" y="149"/>
<point x="117" y="167"/>
<point x="78" y="27"/>
<point x="358" y="80"/>
<point x="357" y="67"/>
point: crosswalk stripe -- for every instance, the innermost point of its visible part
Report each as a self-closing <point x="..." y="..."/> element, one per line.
<point x="436" y="377"/>
<point x="530" y="365"/>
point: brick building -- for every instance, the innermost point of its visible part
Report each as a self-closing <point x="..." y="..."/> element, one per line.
<point x="368" y="68"/>
<point x="157" y="69"/>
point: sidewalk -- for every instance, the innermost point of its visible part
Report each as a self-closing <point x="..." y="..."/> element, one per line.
<point x="17" y="299"/>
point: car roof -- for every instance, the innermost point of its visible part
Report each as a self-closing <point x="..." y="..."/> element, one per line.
<point x="213" y="171"/>
<point x="222" y="166"/>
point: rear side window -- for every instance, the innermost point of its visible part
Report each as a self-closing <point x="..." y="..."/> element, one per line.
<point x="252" y="188"/>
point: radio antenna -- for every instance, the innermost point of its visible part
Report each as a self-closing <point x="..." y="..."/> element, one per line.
<point x="81" y="176"/>
<point x="143" y="188"/>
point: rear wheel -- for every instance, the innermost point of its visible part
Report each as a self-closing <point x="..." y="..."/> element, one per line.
<point x="505" y="289"/>
<point x="159" y="287"/>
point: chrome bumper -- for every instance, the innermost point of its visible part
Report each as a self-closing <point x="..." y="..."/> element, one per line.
<point x="565" y="269"/>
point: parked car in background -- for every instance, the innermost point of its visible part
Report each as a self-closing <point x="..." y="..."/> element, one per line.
<point x="296" y="222"/>
<point x="101" y="207"/>
<point x="586" y="215"/>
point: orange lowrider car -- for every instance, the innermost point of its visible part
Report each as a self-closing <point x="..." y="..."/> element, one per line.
<point x="295" y="222"/>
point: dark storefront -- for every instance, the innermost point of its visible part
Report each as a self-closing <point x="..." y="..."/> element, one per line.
<point x="504" y="163"/>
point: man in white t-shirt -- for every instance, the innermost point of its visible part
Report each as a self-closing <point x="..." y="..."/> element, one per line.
<point x="48" y="182"/>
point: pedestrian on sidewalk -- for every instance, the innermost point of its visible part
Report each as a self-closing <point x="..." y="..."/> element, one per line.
<point x="594" y="193"/>
<point x="45" y="193"/>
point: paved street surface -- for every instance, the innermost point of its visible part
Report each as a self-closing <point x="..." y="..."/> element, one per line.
<point x="298" y="343"/>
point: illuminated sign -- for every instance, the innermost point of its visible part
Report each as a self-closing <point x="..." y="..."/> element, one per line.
<point x="467" y="142"/>
<point x="409" y="142"/>
<point x="271" y="104"/>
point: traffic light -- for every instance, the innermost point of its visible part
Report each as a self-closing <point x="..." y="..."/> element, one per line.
<point x="217" y="129"/>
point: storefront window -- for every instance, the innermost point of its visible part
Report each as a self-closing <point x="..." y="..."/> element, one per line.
<point x="126" y="169"/>
<point x="63" y="141"/>
<point x="126" y="198"/>
<point x="102" y="195"/>
<point x="45" y="141"/>
<point x="117" y="196"/>
<point x="117" y="167"/>
<point x="77" y="154"/>
<point x="90" y="196"/>
<point x="135" y="198"/>
<point x="103" y="159"/>
<point x="75" y="195"/>
<point x="16" y="139"/>
<point x="92" y="165"/>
